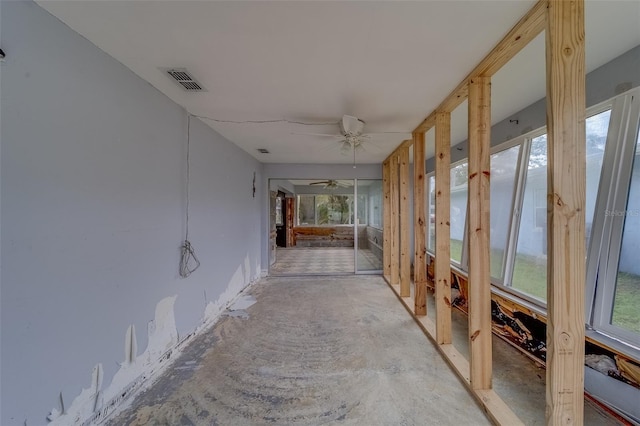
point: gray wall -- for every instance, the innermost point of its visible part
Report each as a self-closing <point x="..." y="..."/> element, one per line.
<point x="605" y="82"/>
<point x="93" y="196"/>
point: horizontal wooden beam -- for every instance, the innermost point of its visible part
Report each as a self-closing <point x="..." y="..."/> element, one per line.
<point x="396" y="152"/>
<point x="531" y="24"/>
<point x="426" y="124"/>
<point x="497" y="410"/>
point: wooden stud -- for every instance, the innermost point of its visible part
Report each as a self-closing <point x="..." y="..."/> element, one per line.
<point x="565" y="55"/>
<point x="386" y="220"/>
<point x="443" y="236"/>
<point x="394" y="260"/>
<point x="479" y="303"/>
<point x="492" y="404"/>
<point x="290" y="208"/>
<point x="419" y="225"/>
<point x="520" y="35"/>
<point x="405" y="242"/>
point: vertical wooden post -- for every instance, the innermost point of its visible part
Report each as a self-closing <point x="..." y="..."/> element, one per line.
<point x="419" y="225"/>
<point x="386" y="220"/>
<point x="405" y="243"/>
<point x="291" y="214"/>
<point x="479" y="265"/>
<point x="443" y="236"/>
<point x="565" y="53"/>
<point x="395" y="219"/>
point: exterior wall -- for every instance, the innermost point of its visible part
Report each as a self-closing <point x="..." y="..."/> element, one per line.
<point x="93" y="215"/>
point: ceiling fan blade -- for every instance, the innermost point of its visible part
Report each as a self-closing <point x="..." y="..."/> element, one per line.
<point x="319" y="134"/>
<point x="352" y="125"/>
<point x="387" y="133"/>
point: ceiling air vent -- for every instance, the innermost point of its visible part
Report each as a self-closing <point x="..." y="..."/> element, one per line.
<point x="263" y="150"/>
<point x="184" y="79"/>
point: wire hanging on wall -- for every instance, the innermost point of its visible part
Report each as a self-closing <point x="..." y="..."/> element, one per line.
<point x="188" y="260"/>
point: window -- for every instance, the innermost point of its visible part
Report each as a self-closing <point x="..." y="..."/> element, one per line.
<point x="626" y="302"/>
<point x="306" y="208"/>
<point x="431" y="209"/>
<point x="459" y="191"/>
<point x="375" y="204"/>
<point x="617" y="298"/>
<point x="597" y="127"/>
<point x="530" y="270"/>
<point x="328" y="209"/>
<point x="504" y="166"/>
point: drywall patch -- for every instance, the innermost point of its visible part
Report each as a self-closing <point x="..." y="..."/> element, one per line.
<point x="243" y="302"/>
<point x="84" y="405"/>
<point x="238" y="308"/>
<point x="94" y="404"/>
<point x="137" y="372"/>
<point x="240" y="280"/>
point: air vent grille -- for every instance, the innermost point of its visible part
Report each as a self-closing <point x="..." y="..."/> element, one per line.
<point x="263" y="150"/>
<point x="185" y="80"/>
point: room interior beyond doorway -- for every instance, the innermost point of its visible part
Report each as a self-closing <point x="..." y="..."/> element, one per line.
<point x="325" y="226"/>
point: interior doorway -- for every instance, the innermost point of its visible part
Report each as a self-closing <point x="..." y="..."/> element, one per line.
<point x="326" y="226"/>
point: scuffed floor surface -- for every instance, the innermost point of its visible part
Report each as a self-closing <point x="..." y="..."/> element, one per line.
<point x="331" y="350"/>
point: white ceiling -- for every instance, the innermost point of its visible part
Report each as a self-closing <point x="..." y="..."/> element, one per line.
<point x="389" y="63"/>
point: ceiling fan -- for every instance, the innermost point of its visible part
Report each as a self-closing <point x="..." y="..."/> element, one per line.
<point x="351" y="137"/>
<point x="330" y="184"/>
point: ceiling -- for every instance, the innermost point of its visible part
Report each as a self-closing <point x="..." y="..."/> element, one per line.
<point x="294" y="64"/>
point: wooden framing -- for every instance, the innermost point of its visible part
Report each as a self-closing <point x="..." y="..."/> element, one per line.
<point x="405" y="243"/>
<point x="564" y="23"/>
<point x="419" y="226"/>
<point x="565" y="53"/>
<point x="520" y="35"/>
<point x="386" y="219"/>
<point x="479" y="263"/>
<point x="443" y="233"/>
<point x="394" y="259"/>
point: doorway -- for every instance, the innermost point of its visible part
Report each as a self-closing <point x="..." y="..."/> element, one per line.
<point x="327" y="226"/>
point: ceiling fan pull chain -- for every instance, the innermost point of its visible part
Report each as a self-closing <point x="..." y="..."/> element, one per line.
<point x="354" y="155"/>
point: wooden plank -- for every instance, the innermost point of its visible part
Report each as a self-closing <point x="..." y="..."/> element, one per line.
<point x="386" y="219"/>
<point x="479" y="302"/>
<point x="426" y="124"/>
<point x="531" y="24"/>
<point x="290" y="209"/>
<point x="405" y="226"/>
<point x="566" y="181"/>
<point x="496" y="408"/>
<point x="443" y="236"/>
<point x="489" y="401"/>
<point x="404" y="144"/>
<point x="394" y="259"/>
<point x="419" y="225"/>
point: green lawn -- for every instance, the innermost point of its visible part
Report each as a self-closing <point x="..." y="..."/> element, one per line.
<point x="530" y="277"/>
<point x="626" y="307"/>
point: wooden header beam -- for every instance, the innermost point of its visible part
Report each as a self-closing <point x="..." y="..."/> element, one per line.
<point x="531" y="24"/>
<point x="396" y="152"/>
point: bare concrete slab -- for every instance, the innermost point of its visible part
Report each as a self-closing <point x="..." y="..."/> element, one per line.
<point x="310" y="351"/>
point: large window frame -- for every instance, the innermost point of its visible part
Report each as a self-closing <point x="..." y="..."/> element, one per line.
<point x="604" y="244"/>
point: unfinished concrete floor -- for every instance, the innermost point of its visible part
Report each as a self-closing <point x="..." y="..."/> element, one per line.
<point x="329" y="350"/>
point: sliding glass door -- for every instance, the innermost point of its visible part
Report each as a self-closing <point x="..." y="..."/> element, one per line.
<point x="368" y="226"/>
